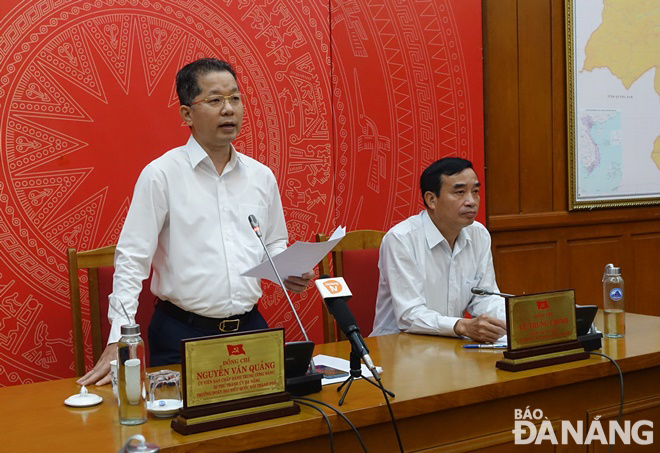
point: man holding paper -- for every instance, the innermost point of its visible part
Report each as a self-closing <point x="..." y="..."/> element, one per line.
<point x="188" y="221"/>
<point x="430" y="262"/>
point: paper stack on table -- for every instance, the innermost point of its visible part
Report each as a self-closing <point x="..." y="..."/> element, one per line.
<point x="340" y="364"/>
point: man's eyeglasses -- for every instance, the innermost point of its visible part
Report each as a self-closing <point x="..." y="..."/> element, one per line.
<point x="218" y="100"/>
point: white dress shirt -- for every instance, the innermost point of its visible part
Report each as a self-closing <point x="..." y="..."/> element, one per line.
<point x="191" y="226"/>
<point x="424" y="285"/>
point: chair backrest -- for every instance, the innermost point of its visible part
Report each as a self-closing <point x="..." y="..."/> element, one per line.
<point x="99" y="264"/>
<point x="356" y="259"/>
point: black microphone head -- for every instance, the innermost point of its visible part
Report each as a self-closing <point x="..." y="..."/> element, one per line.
<point x="253" y="221"/>
<point x="479" y="291"/>
<point x="343" y="316"/>
<point x="324" y="276"/>
<point x="255" y="225"/>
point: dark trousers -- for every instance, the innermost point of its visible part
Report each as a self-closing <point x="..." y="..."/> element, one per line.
<point x="166" y="333"/>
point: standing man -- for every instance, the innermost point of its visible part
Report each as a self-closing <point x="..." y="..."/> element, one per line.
<point x="189" y="222"/>
<point x="430" y="262"/>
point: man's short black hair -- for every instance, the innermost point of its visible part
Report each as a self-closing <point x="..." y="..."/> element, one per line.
<point x="187" y="87"/>
<point x="431" y="179"/>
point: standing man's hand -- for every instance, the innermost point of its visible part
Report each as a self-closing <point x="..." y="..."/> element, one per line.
<point x="298" y="284"/>
<point x="483" y="328"/>
<point x="100" y="374"/>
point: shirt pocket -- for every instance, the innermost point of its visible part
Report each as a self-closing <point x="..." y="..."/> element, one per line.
<point x="247" y="236"/>
<point x="466" y="289"/>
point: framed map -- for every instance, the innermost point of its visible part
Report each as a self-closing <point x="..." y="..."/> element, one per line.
<point x="613" y="83"/>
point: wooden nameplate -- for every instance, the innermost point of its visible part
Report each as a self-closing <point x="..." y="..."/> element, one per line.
<point x="569" y="353"/>
<point x="232" y="413"/>
<point x="541" y="331"/>
<point x="232" y="379"/>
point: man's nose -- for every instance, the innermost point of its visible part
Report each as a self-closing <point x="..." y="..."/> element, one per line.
<point x="227" y="108"/>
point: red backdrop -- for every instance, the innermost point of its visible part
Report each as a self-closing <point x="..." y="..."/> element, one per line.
<point x="347" y="102"/>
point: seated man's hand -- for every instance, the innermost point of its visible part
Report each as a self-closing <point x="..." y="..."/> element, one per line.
<point x="298" y="284"/>
<point x="483" y="328"/>
<point x="100" y="374"/>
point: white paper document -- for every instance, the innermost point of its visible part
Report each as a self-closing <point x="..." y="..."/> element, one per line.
<point x="301" y="257"/>
<point x="340" y="364"/>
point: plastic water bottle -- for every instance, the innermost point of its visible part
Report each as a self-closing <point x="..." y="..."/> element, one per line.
<point x="131" y="382"/>
<point x="614" y="303"/>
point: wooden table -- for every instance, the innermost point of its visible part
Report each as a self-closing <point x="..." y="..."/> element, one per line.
<point x="445" y="396"/>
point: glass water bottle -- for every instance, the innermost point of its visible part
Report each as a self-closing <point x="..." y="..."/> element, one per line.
<point x="614" y="303"/>
<point x="131" y="381"/>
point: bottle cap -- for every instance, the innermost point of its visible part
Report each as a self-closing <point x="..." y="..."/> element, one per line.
<point x="611" y="270"/>
<point x="130" y="329"/>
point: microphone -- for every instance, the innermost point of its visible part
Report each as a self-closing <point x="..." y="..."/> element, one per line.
<point x="255" y="226"/>
<point x="484" y="292"/>
<point x="335" y="298"/>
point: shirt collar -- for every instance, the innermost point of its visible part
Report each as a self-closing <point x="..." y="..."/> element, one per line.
<point x="197" y="154"/>
<point x="434" y="237"/>
<point x="462" y="240"/>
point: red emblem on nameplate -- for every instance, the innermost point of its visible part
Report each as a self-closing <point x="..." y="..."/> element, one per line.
<point x="542" y="305"/>
<point x="235" y="349"/>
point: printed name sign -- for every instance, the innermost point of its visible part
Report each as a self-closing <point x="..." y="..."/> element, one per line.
<point x="541" y="330"/>
<point x="541" y="319"/>
<point x="226" y="368"/>
<point x="232" y="379"/>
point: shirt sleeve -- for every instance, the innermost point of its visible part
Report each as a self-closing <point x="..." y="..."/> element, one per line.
<point x="406" y="282"/>
<point x="487" y="305"/>
<point x="276" y="235"/>
<point x="136" y="247"/>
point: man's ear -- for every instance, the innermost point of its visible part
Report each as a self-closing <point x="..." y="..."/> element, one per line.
<point x="185" y="112"/>
<point x="430" y="199"/>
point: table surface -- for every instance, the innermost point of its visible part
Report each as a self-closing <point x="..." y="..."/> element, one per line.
<point x="427" y="374"/>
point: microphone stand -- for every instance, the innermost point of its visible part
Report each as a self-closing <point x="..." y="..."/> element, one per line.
<point x="257" y="231"/>
<point x="356" y="372"/>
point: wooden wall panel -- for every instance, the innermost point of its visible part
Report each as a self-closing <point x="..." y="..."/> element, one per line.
<point x="502" y="442"/>
<point x="535" y="123"/>
<point x="500" y="85"/>
<point x="517" y="275"/>
<point x="586" y="261"/>
<point x="527" y="170"/>
<point x="581" y="252"/>
<point x="647" y="409"/>
<point x="645" y="296"/>
<point x="559" y="131"/>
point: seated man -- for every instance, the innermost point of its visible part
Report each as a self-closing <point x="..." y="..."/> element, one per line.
<point x="430" y="262"/>
<point x="189" y="222"/>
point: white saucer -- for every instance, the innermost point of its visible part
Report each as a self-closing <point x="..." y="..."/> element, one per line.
<point x="79" y="400"/>
<point x="164" y="408"/>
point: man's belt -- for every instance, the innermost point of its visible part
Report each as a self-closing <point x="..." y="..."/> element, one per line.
<point x="224" y="325"/>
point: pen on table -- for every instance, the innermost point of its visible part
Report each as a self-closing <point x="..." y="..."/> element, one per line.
<point x="484" y="346"/>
